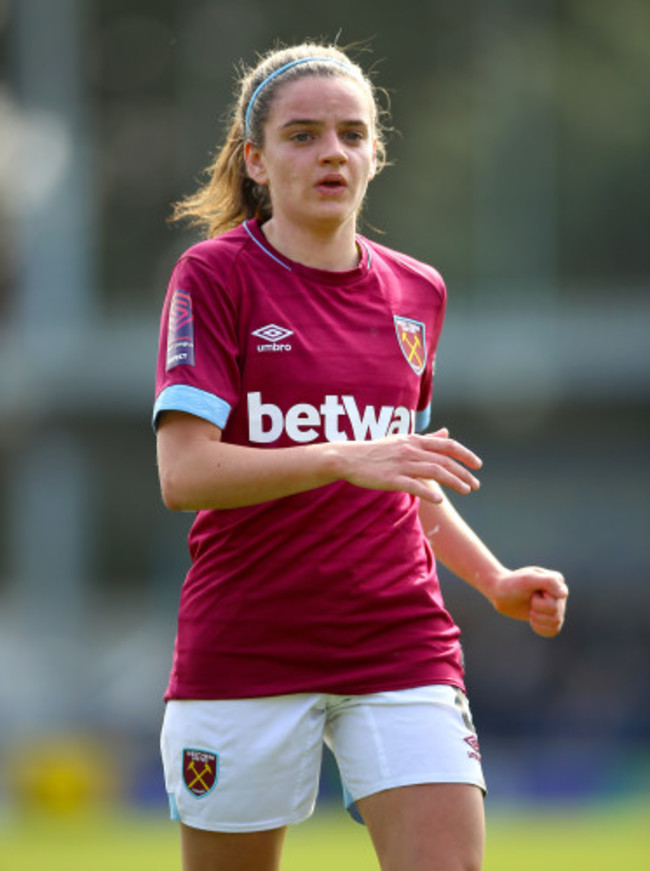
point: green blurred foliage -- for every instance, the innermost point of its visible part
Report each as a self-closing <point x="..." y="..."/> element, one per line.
<point x="523" y="129"/>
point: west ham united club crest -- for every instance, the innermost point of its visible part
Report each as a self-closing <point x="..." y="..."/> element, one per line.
<point x="411" y="338"/>
<point x="180" y="334"/>
<point x="200" y="771"/>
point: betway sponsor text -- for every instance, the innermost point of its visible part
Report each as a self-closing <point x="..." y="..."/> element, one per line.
<point x="307" y="423"/>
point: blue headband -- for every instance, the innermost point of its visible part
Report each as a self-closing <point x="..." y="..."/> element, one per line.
<point x="283" y="69"/>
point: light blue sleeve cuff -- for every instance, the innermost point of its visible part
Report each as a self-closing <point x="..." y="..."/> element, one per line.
<point x="193" y="400"/>
<point x="422" y="419"/>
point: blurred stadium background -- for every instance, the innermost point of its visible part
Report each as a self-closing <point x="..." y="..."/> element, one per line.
<point x="520" y="170"/>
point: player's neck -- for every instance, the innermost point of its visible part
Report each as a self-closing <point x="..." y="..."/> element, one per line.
<point x="320" y="248"/>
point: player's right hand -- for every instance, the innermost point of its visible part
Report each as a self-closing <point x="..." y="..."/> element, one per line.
<point x="409" y="463"/>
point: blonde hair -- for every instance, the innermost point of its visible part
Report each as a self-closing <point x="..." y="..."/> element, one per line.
<point x="229" y="196"/>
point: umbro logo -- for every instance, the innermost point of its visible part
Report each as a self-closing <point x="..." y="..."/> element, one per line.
<point x="273" y="337"/>
<point x="475" y="751"/>
<point x="272" y="333"/>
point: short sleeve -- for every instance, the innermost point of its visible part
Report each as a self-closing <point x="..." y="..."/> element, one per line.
<point x="198" y="356"/>
<point x="437" y="307"/>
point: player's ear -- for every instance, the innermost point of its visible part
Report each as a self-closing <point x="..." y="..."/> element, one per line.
<point x="255" y="166"/>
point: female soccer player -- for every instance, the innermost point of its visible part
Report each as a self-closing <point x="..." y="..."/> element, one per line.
<point x="295" y="370"/>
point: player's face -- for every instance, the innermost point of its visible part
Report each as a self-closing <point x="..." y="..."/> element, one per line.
<point x="319" y="152"/>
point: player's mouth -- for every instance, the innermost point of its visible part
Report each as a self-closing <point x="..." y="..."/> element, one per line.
<point x="331" y="184"/>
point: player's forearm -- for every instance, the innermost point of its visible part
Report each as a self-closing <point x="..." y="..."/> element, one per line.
<point x="459" y="548"/>
<point x="217" y="475"/>
<point x="199" y="471"/>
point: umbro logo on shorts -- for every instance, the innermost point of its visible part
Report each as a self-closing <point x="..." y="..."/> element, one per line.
<point x="475" y="750"/>
<point x="273" y="337"/>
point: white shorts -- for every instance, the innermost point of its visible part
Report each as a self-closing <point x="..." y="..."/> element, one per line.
<point x="253" y="764"/>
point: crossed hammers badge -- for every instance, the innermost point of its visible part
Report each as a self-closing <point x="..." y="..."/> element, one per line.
<point x="411" y="338"/>
<point x="200" y="771"/>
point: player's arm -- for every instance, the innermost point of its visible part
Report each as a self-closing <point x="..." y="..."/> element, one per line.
<point x="531" y="593"/>
<point x="199" y="471"/>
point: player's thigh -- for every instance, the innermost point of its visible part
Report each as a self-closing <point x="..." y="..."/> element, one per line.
<point x="228" y="851"/>
<point x="401" y="738"/>
<point x="243" y="765"/>
<point x="437" y="826"/>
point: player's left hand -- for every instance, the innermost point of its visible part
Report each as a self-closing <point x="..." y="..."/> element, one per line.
<point x="534" y="594"/>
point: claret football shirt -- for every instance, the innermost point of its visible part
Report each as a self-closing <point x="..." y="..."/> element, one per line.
<point x="335" y="589"/>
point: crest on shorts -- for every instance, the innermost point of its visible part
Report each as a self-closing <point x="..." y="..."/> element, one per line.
<point x="411" y="338"/>
<point x="200" y="771"/>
